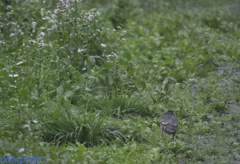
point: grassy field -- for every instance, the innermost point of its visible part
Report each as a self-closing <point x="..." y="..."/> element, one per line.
<point x="88" y="81"/>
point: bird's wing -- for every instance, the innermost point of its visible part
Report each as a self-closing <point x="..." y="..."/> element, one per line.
<point x="166" y="120"/>
<point x="174" y="121"/>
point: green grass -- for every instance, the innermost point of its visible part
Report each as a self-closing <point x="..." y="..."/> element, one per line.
<point x="89" y="129"/>
<point x="88" y="82"/>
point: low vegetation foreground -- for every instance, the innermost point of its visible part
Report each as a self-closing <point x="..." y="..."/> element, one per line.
<point x="88" y="81"/>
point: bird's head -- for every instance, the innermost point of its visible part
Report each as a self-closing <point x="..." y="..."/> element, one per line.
<point x="170" y="112"/>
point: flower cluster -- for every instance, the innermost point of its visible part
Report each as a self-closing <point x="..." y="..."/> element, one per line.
<point x="109" y="57"/>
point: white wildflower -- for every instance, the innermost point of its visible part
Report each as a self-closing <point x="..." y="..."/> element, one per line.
<point x="56" y="11"/>
<point x="114" y="54"/>
<point x="9" y="155"/>
<point x="35" y="121"/>
<point x="26" y="126"/>
<point x="54" y="16"/>
<point x="13" y="86"/>
<point x="90" y="17"/>
<point x="41" y="34"/>
<point x="32" y="41"/>
<point x="103" y="45"/>
<point x="80" y="50"/>
<point x="21" y="150"/>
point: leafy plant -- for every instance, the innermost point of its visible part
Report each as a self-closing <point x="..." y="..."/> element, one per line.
<point x="219" y="107"/>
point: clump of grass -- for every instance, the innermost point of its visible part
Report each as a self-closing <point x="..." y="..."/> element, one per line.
<point x="120" y="104"/>
<point x="62" y="127"/>
<point x="219" y="107"/>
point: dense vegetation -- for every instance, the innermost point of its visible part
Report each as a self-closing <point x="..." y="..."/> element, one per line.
<point x="87" y="82"/>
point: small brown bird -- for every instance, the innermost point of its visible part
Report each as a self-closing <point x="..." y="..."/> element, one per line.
<point x="169" y="124"/>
